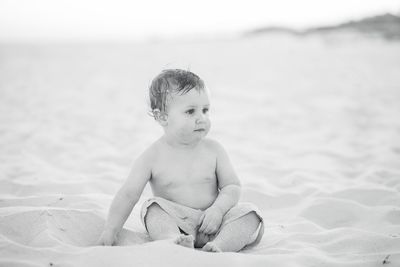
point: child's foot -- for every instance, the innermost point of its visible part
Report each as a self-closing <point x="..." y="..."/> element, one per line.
<point x="211" y="247"/>
<point x="185" y="240"/>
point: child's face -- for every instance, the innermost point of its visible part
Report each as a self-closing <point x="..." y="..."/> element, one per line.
<point x="187" y="120"/>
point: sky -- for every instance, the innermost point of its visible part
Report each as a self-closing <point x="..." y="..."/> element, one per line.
<point x="22" y="20"/>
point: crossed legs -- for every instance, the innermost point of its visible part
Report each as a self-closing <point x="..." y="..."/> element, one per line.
<point x="232" y="237"/>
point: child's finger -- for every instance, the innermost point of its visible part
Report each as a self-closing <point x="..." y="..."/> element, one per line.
<point x="205" y="230"/>
<point x="204" y="225"/>
<point x="201" y="227"/>
<point x="212" y="227"/>
<point x="201" y="219"/>
<point x="208" y="228"/>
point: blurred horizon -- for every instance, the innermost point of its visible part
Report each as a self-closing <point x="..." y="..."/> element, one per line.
<point x="89" y="20"/>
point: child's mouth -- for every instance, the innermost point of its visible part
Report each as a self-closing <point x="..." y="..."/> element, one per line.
<point x="199" y="130"/>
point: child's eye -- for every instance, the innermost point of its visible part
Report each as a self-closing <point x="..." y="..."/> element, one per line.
<point x="190" y="111"/>
<point x="205" y="110"/>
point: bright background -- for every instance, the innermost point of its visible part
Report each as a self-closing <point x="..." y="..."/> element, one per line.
<point x="41" y="20"/>
<point x="310" y="123"/>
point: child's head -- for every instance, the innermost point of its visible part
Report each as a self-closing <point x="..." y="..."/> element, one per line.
<point x="179" y="102"/>
<point x="171" y="81"/>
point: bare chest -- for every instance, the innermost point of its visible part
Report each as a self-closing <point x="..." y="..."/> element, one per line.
<point x="183" y="170"/>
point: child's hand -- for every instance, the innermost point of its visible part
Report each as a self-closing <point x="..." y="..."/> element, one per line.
<point x="211" y="220"/>
<point x="107" y="238"/>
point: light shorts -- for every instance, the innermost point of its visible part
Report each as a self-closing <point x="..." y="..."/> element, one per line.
<point x="188" y="218"/>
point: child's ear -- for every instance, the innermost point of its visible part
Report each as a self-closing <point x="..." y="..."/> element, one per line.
<point x="161" y="117"/>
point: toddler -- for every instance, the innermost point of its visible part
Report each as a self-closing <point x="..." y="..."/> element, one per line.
<point x="196" y="190"/>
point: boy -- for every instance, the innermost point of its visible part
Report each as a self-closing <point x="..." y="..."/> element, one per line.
<point x="195" y="187"/>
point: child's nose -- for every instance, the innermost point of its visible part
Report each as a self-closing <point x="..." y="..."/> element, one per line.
<point x="200" y="118"/>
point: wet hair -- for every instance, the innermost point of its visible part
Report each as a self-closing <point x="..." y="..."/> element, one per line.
<point x="171" y="81"/>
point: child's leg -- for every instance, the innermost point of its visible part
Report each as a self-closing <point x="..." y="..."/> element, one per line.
<point x="161" y="226"/>
<point x="235" y="235"/>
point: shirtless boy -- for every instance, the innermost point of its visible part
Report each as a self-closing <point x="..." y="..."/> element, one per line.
<point x="196" y="190"/>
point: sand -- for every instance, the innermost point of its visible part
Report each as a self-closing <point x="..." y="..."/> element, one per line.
<point x="311" y="125"/>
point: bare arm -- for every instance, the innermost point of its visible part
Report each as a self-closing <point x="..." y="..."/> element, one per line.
<point x="126" y="198"/>
<point x="228" y="196"/>
<point x="228" y="182"/>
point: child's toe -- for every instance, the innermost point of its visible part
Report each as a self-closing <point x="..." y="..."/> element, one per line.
<point x="211" y="247"/>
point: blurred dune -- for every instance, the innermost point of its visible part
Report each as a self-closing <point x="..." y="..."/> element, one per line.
<point x="312" y="127"/>
<point x="386" y="26"/>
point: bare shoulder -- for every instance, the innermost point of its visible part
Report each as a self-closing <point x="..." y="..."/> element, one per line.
<point x="225" y="171"/>
<point x="141" y="169"/>
<point x="147" y="157"/>
<point x="214" y="145"/>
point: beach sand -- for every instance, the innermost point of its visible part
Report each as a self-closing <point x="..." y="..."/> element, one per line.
<point x="311" y="124"/>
